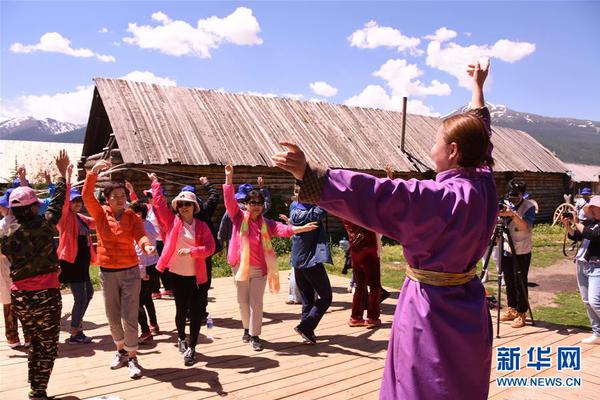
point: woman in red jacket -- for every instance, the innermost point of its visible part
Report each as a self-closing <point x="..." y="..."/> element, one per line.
<point x="75" y="252"/>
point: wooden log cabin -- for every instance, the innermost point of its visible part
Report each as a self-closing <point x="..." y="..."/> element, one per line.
<point x="185" y="133"/>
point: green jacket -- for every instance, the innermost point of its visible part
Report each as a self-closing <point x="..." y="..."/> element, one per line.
<point x="30" y="248"/>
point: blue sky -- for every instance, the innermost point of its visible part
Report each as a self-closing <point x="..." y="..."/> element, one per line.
<point x="545" y="55"/>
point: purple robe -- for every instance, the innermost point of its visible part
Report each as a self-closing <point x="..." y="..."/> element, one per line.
<point x="441" y="339"/>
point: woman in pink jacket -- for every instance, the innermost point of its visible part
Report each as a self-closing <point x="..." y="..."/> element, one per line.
<point x="251" y="255"/>
<point x="188" y="242"/>
<point x="75" y="252"/>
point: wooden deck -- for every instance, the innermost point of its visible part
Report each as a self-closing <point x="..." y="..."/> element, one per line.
<point x="346" y="363"/>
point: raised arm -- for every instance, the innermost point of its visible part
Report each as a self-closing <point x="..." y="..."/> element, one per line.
<point x="54" y="211"/>
<point x="213" y="196"/>
<point x="265" y="193"/>
<point x="233" y="210"/>
<point x="87" y="193"/>
<point x="479" y="73"/>
<point x="132" y="195"/>
<point x="164" y="216"/>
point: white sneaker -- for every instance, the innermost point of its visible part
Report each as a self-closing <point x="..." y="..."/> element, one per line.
<point x="134" y="369"/>
<point x="591" y="340"/>
<point x="118" y="361"/>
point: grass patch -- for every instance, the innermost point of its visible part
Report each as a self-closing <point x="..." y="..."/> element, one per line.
<point x="569" y="311"/>
<point x="547" y="245"/>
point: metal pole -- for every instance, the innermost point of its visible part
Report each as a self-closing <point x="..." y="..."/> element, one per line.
<point x="404" y="103"/>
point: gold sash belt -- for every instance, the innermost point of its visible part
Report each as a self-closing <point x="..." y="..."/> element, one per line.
<point x="436" y="278"/>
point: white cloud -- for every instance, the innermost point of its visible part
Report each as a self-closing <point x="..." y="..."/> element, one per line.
<point x="149" y="77"/>
<point x="179" y="38"/>
<point x="54" y="42"/>
<point x="317" y="100"/>
<point x="103" y="30"/>
<point x="293" y="96"/>
<point x="375" y="96"/>
<point x="468" y="34"/>
<point x="322" y="88"/>
<point x="401" y="77"/>
<point x="73" y="106"/>
<point x="261" y="94"/>
<point x="442" y="35"/>
<point x="373" y="36"/>
<point x="453" y="58"/>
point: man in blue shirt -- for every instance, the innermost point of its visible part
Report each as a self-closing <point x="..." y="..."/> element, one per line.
<point x="309" y="251"/>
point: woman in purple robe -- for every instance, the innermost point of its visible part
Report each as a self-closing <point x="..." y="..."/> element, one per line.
<point x="441" y="339"/>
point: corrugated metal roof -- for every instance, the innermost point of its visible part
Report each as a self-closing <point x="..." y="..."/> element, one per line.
<point x="156" y="124"/>
<point x="584" y="173"/>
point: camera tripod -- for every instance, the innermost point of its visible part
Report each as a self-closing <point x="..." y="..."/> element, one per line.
<point x="498" y="237"/>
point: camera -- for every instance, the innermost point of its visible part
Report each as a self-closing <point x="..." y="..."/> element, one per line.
<point x="567" y="214"/>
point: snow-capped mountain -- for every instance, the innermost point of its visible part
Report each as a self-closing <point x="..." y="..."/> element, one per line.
<point x="505" y="116"/>
<point x="572" y="140"/>
<point x="47" y="129"/>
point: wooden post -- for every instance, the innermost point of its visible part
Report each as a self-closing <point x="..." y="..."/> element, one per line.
<point x="404" y="102"/>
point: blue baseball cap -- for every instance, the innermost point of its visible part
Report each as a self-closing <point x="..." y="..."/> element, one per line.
<point x="73" y="194"/>
<point x="189" y="188"/>
<point x="243" y="191"/>
<point x="586" y="191"/>
<point x="5" y="197"/>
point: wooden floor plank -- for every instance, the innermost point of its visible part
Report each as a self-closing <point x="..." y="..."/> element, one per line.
<point x="347" y="363"/>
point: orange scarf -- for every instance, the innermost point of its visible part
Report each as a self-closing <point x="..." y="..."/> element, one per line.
<point x="243" y="271"/>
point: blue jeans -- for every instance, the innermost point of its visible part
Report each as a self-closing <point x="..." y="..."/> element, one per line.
<point x="588" y="279"/>
<point x="82" y="294"/>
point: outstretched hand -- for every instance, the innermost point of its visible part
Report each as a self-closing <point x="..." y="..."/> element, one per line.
<point x="479" y="72"/>
<point x="47" y="177"/>
<point x="62" y="162"/>
<point x="152" y="177"/>
<point x="128" y="186"/>
<point x="69" y="173"/>
<point x="293" y="160"/>
<point x="100" y="166"/>
<point x="311" y="226"/>
<point x="229" y="174"/>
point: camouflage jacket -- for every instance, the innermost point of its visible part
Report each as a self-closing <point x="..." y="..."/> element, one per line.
<point x="30" y="246"/>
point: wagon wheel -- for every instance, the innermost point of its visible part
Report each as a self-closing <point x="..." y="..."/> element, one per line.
<point x="560" y="209"/>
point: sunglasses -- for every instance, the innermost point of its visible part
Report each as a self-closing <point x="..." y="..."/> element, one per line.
<point x="184" y="204"/>
<point x="256" y="203"/>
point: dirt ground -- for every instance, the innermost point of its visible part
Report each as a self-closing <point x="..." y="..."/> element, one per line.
<point x="559" y="277"/>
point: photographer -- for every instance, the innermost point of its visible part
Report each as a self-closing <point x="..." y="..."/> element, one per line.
<point x="521" y="216"/>
<point x="588" y="262"/>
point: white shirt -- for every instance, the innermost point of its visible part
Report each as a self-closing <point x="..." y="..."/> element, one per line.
<point x="152" y="235"/>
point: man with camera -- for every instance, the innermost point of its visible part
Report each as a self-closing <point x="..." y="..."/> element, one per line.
<point x="520" y="216"/>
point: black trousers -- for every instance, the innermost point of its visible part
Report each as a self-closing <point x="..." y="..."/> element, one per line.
<point x="146" y="299"/>
<point x="516" y="297"/>
<point x="311" y="280"/>
<point x="190" y="299"/>
<point x="208" y="283"/>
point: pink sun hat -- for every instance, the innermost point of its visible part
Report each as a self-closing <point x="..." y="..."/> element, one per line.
<point x="594" y="202"/>
<point x="23" y="196"/>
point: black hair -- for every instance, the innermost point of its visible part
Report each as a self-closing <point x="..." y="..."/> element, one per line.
<point x="516" y="185"/>
<point x="111" y="186"/>
<point x="139" y="207"/>
<point x="255" y="195"/>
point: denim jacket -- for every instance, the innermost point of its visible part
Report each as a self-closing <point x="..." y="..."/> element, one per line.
<point x="309" y="248"/>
